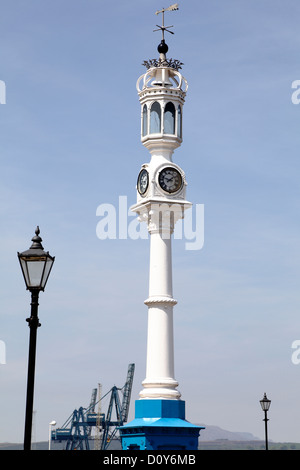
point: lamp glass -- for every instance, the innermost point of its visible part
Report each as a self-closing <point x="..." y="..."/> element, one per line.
<point x="265" y="403"/>
<point x="36" y="270"/>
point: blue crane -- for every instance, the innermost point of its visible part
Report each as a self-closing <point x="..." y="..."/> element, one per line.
<point x="77" y="430"/>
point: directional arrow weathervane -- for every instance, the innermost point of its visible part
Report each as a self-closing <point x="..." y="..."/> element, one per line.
<point x="164" y="28"/>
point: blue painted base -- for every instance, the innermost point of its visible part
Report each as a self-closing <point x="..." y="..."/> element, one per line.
<point x="160" y="425"/>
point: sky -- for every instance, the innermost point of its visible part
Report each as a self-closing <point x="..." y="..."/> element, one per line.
<point x="70" y="142"/>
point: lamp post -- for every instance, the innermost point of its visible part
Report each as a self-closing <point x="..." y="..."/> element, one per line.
<point x="265" y="405"/>
<point x="36" y="265"/>
<point x="53" y="423"/>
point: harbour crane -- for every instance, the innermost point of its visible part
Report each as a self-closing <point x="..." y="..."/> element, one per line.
<point x="77" y="430"/>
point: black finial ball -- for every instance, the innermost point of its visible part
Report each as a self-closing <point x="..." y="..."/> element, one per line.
<point x="162" y="47"/>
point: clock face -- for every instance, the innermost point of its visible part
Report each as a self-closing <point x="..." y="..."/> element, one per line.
<point x="170" y="180"/>
<point x="143" y="181"/>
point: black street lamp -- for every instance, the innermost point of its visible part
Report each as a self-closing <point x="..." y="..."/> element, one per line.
<point x="265" y="405"/>
<point x="36" y="265"/>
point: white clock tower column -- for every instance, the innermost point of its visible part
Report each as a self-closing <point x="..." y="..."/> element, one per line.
<point x="161" y="202"/>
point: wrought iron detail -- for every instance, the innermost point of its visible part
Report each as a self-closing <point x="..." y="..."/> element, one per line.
<point x="173" y="63"/>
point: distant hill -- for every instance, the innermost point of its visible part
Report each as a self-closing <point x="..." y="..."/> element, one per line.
<point x="212" y="433"/>
<point x="215" y="438"/>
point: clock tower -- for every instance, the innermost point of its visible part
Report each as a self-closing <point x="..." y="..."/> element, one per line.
<point x="161" y="201"/>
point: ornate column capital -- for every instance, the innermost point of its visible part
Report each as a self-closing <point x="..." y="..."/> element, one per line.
<point x="161" y="217"/>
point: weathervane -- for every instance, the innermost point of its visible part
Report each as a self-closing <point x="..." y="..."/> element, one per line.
<point x="163" y="48"/>
<point x="164" y="28"/>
